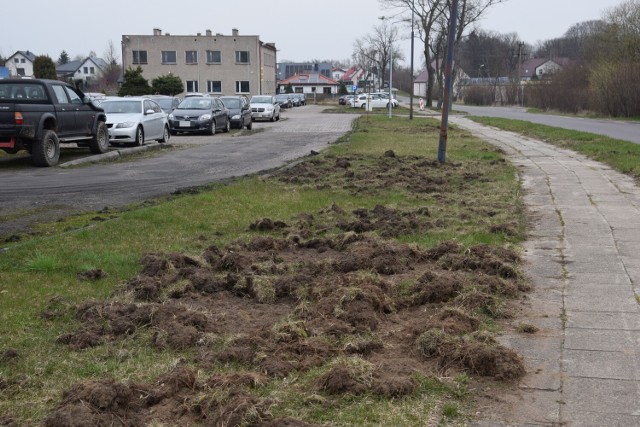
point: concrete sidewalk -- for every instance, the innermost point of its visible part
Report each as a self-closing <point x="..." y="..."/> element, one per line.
<point x="583" y="260"/>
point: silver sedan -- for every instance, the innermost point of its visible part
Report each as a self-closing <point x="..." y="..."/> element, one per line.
<point x="135" y="120"/>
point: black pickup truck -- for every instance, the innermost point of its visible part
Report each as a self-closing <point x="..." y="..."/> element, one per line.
<point x="37" y="115"/>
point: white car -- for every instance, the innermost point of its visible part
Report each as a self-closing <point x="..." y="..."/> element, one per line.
<point x="135" y="120"/>
<point x="265" y="107"/>
<point x="375" y="100"/>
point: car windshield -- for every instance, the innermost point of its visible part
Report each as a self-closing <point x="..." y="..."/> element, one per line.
<point x="231" y="102"/>
<point x="122" y="107"/>
<point x="24" y="91"/>
<point x="261" y="100"/>
<point x="195" y="103"/>
<point x="165" y="103"/>
<point x="282" y="97"/>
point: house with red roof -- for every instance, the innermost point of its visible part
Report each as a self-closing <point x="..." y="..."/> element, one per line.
<point x="310" y="83"/>
<point x="538" y="68"/>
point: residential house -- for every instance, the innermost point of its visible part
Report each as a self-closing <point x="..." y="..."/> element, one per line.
<point x="421" y="81"/>
<point x="83" y="73"/>
<point x="538" y="68"/>
<point x="310" y="83"/>
<point x="337" y="73"/>
<point x="20" y="64"/>
<point x="359" y="77"/>
<point x="212" y="63"/>
<point x="288" y="69"/>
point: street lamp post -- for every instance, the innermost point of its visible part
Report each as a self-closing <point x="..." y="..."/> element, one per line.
<point x="383" y="18"/>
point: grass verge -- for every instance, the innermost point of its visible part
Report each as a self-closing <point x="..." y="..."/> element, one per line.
<point x="384" y="166"/>
<point x="622" y="156"/>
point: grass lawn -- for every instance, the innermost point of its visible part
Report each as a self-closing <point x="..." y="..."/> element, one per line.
<point x="226" y="258"/>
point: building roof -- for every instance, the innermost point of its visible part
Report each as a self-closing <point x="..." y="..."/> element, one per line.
<point x="72" y="66"/>
<point x="309" y="79"/>
<point x="529" y="67"/>
<point x="27" y="54"/>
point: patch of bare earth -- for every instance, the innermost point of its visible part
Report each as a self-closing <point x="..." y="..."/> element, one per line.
<point x="368" y="313"/>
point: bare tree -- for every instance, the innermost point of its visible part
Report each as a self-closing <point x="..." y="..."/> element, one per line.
<point x="378" y="49"/>
<point x="432" y="17"/>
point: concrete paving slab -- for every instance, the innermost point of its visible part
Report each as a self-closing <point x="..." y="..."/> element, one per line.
<point x="607" y="321"/>
<point x="626" y="341"/>
<point x="598" y="396"/>
<point x="601" y="364"/>
<point x="608" y="279"/>
<point x="594" y="298"/>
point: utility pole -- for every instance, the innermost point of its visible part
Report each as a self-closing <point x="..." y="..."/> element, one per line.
<point x="520" y="46"/>
<point x="411" y="90"/>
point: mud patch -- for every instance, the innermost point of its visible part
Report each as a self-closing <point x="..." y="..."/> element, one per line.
<point x="350" y="311"/>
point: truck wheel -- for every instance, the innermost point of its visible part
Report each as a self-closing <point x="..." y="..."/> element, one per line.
<point x="100" y="142"/>
<point x="46" y="151"/>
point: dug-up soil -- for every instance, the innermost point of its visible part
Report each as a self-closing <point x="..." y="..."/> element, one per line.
<point x="351" y="312"/>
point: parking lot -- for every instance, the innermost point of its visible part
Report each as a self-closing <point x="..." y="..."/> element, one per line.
<point x="31" y="194"/>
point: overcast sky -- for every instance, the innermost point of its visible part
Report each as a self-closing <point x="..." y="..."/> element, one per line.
<point x="301" y="29"/>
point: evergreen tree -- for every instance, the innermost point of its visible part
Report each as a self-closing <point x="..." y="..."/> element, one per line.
<point x="44" y="67"/>
<point x="134" y="83"/>
<point x="167" y="85"/>
<point x="343" y="89"/>
<point x="63" y="58"/>
<point x="288" y="88"/>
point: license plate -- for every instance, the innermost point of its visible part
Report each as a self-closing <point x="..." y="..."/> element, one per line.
<point x="184" y="124"/>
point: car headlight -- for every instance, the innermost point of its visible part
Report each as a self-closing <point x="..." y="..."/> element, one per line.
<point x="125" y="125"/>
<point x="268" y="109"/>
<point x="205" y="117"/>
<point x="236" y="117"/>
<point x="170" y="116"/>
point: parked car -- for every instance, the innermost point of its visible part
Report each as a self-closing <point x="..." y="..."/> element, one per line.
<point x="376" y="101"/>
<point x="345" y="99"/>
<point x="295" y="101"/>
<point x="284" y="100"/>
<point x="37" y="115"/>
<point x="166" y="102"/>
<point x="199" y="114"/>
<point x="265" y="107"/>
<point x="239" y="111"/>
<point x="385" y="95"/>
<point x="302" y="98"/>
<point x="135" y="120"/>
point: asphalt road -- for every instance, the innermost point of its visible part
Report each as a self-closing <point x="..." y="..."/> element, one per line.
<point x="29" y="194"/>
<point x="627" y="131"/>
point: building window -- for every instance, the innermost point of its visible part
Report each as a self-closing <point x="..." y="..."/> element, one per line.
<point x="92" y="70"/>
<point x="326" y="90"/>
<point x="20" y="71"/>
<point x="191" y="56"/>
<point x="22" y="60"/>
<point x="214" y="86"/>
<point x="192" y="86"/>
<point x="16" y="60"/>
<point x="242" y="86"/>
<point x="86" y="70"/>
<point x="242" y="56"/>
<point x="139" y="56"/>
<point x="214" y="57"/>
<point x="169" y="57"/>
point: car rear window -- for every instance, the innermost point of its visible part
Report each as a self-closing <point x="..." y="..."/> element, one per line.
<point x="25" y="92"/>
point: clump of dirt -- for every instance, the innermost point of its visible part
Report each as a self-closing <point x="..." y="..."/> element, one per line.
<point x="367" y="312"/>
<point x="10" y="355"/>
<point x="92" y="275"/>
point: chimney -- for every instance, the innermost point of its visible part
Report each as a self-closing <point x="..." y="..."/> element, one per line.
<point x="235" y="32"/>
<point x="208" y="32"/>
<point x="157" y="32"/>
<point x="199" y="34"/>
